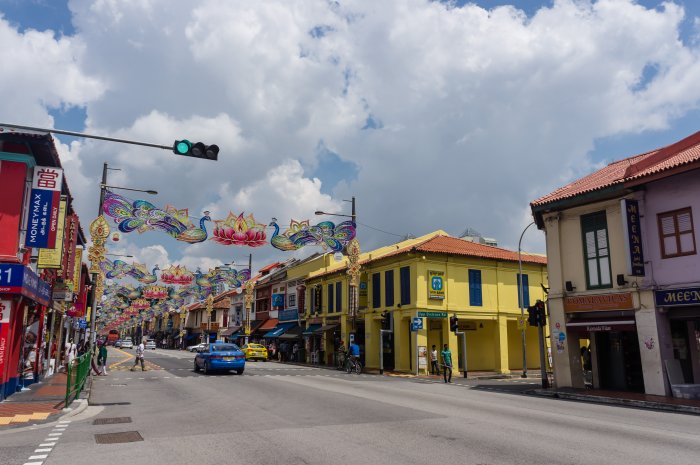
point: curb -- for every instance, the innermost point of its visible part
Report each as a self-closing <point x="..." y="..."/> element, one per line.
<point x="642" y="404"/>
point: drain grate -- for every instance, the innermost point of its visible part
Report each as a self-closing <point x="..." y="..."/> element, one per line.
<point x="111" y="421"/>
<point x="118" y="438"/>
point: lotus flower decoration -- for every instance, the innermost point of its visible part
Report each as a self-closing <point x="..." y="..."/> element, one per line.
<point x="155" y="292"/>
<point x="141" y="304"/>
<point x="239" y="230"/>
<point x="177" y="275"/>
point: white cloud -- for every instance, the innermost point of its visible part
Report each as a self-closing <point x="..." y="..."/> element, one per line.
<point x="482" y="111"/>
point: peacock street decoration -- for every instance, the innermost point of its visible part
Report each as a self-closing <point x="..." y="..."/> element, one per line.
<point x="140" y="215"/>
<point x="119" y="269"/>
<point x="325" y="234"/>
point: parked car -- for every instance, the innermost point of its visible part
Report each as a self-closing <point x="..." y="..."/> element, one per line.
<point x="196" y="347"/>
<point x="220" y="357"/>
<point x="150" y="345"/>
<point x="127" y="344"/>
<point x="118" y="343"/>
<point x="255" y="352"/>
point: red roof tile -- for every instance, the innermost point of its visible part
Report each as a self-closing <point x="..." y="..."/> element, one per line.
<point x="453" y="246"/>
<point x="683" y="152"/>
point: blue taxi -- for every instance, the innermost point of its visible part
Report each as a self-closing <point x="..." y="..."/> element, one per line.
<point x="219" y="356"/>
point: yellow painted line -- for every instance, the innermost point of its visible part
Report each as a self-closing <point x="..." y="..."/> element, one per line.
<point x="127" y="357"/>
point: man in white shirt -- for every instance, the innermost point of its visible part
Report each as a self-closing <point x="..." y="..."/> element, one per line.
<point x="434" y="366"/>
<point x="139" y="357"/>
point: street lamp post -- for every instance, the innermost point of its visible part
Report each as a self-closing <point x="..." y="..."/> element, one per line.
<point x="354" y="270"/>
<point x="521" y="301"/>
<point x="99" y="231"/>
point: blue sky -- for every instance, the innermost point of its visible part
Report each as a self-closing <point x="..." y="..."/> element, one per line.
<point x="55" y="15"/>
<point x="454" y="104"/>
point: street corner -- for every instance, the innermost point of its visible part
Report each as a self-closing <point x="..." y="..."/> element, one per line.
<point x="14" y="414"/>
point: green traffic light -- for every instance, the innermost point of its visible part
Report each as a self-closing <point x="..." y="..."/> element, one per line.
<point x="182" y="147"/>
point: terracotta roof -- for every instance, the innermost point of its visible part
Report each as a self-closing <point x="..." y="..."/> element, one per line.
<point x="443" y="244"/>
<point x="681" y="153"/>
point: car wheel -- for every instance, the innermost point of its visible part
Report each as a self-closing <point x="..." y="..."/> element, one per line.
<point x="239" y="371"/>
<point x="196" y="367"/>
<point x="206" y="368"/>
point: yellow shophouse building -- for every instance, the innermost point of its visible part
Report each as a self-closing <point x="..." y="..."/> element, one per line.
<point x="432" y="277"/>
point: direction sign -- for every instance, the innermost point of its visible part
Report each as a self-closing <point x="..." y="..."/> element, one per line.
<point x="417" y="324"/>
<point x="432" y="314"/>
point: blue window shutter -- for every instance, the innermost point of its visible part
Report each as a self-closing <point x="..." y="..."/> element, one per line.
<point x="475" y="296"/>
<point x="389" y="288"/>
<point x="376" y="291"/>
<point x="339" y="297"/>
<point x="330" y="297"/>
<point x="405" y="285"/>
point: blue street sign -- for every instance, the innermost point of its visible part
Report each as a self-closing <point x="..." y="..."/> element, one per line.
<point x="417" y="324"/>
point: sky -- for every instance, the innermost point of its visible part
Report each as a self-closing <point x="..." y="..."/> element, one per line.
<point x="433" y="115"/>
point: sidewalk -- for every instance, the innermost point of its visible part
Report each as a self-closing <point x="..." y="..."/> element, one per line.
<point x="628" y="399"/>
<point x="36" y="405"/>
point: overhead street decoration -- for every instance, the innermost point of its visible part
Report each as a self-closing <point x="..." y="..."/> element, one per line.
<point x="141" y="216"/>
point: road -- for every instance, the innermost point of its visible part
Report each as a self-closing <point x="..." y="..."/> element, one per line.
<point x="283" y="414"/>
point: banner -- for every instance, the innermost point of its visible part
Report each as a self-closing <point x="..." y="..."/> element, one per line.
<point x="77" y="268"/>
<point x="52" y="257"/>
<point x="5" y="309"/>
<point x="43" y="215"/>
<point x="12" y="177"/>
<point x="70" y="243"/>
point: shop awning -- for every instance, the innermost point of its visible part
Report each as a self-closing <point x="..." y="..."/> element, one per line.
<point x="593" y="325"/>
<point x="294" y="333"/>
<point x="325" y="328"/>
<point x="226" y="332"/>
<point x="268" y="325"/>
<point x="280" y="329"/>
<point x="310" y="330"/>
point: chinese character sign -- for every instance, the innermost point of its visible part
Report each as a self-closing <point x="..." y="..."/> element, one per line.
<point x="42" y="221"/>
<point x="633" y="236"/>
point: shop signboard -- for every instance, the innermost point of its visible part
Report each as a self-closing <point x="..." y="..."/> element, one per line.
<point x="677" y="297"/>
<point x="70" y="243"/>
<point x="77" y="268"/>
<point x="599" y="302"/>
<point x="42" y="215"/>
<point x="16" y="278"/>
<point x="52" y="257"/>
<point x="632" y="233"/>
<point x="288" y="315"/>
<point x="277" y="301"/>
<point x="436" y="288"/>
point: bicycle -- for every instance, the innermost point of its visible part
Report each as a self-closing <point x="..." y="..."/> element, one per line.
<point x="354" y="365"/>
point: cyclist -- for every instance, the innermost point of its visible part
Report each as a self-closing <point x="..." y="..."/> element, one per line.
<point x="353" y="354"/>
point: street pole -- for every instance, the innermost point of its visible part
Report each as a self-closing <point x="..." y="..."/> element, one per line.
<point x="463" y="355"/>
<point x="543" y="367"/>
<point x="93" y="309"/>
<point x="520" y="299"/>
<point x="249" y="285"/>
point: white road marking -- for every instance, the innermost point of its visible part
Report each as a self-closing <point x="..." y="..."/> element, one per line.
<point x="45" y="449"/>
<point x="37" y="457"/>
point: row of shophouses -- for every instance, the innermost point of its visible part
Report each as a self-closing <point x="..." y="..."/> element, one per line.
<point x="307" y="303"/>
<point x="43" y="290"/>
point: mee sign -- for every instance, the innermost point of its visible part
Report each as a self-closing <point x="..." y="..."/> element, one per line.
<point x="42" y="217"/>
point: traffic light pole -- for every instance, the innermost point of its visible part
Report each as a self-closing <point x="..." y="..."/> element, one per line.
<point x="545" y="379"/>
<point x="463" y="353"/>
<point x="382" y="332"/>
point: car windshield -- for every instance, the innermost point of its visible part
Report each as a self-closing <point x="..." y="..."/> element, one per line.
<point x="256" y="346"/>
<point x="224" y="347"/>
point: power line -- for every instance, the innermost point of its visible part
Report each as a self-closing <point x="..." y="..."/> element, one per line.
<point x="381" y="230"/>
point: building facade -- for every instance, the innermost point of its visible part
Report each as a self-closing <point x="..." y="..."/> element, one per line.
<point x="623" y="270"/>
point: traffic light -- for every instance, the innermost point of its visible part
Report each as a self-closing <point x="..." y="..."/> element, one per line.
<point x="532" y="315"/>
<point x="541" y="313"/>
<point x="386" y="320"/>
<point x="196" y="150"/>
<point x="454" y="323"/>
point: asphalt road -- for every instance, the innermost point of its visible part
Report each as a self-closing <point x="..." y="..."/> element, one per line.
<point x="282" y="414"/>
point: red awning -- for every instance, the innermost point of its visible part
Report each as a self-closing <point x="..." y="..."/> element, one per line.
<point x="268" y="325"/>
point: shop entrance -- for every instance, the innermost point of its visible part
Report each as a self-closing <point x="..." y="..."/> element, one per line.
<point x="388" y="348"/>
<point x="619" y="361"/>
<point x="685" y="337"/>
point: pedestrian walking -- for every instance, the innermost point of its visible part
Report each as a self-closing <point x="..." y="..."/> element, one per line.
<point x="434" y="365"/>
<point x="295" y="351"/>
<point x="447" y="363"/>
<point x="70" y="353"/>
<point x="102" y="359"/>
<point x="139" y="357"/>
